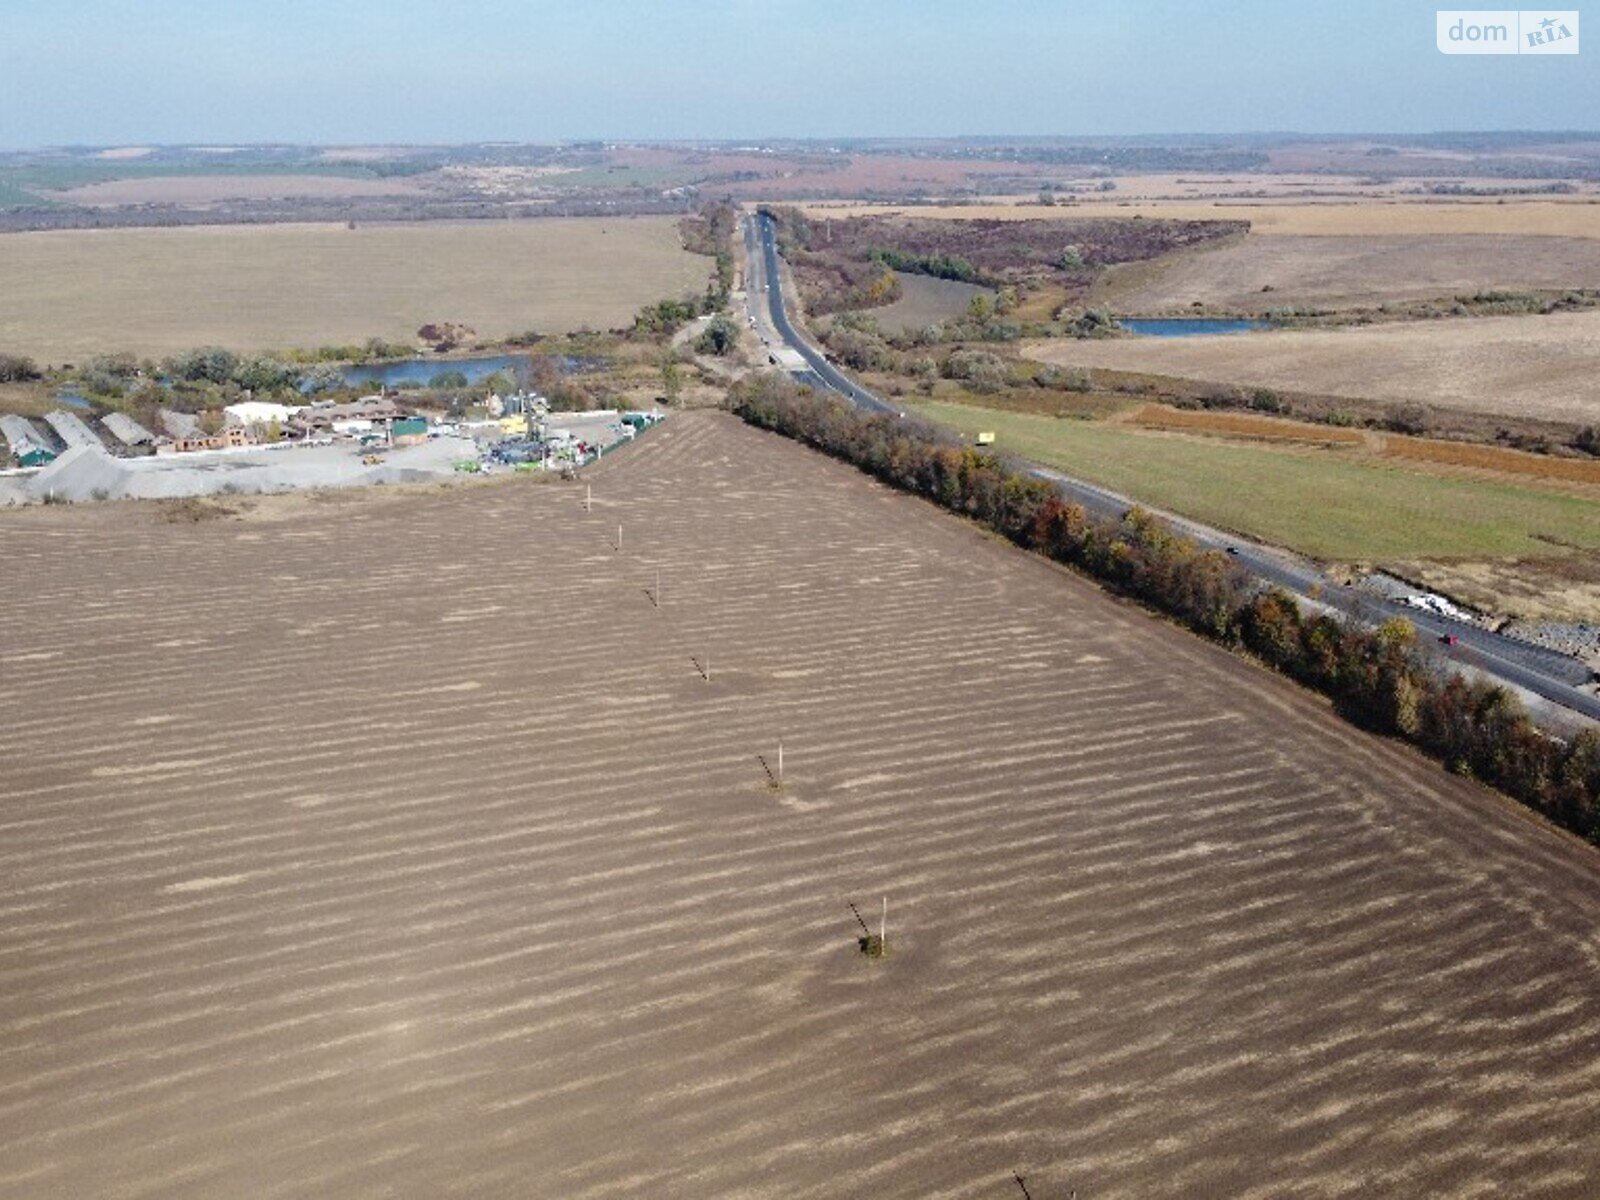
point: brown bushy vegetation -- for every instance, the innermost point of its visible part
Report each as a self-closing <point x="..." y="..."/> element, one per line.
<point x="16" y="368"/>
<point x="850" y="262"/>
<point x="191" y="510"/>
<point x="1377" y="678"/>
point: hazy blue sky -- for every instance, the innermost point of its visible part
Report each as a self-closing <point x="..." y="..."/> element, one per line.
<point x="109" y="71"/>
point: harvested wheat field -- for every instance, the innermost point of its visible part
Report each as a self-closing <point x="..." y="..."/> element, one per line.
<point x="1524" y="366"/>
<point x="1257" y="273"/>
<point x="65" y="294"/>
<point x="395" y="846"/>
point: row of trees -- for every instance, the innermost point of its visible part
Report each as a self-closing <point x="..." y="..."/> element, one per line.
<point x="940" y="266"/>
<point x="372" y="350"/>
<point x="205" y="370"/>
<point x="1378" y="678"/>
<point x="665" y="317"/>
<point x="711" y="231"/>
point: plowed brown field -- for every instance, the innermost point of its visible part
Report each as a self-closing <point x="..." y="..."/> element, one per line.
<point x="395" y="847"/>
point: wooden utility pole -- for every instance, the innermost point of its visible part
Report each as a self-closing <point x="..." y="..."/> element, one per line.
<point x="1022" y="1185"/>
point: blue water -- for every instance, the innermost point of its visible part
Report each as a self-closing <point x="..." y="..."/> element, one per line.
<point x="421" y="370"/>
<point x="73" y="400"/>
<point x="1186" y="326"/>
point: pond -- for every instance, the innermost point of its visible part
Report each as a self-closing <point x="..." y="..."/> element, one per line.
<point x="421" y="370"/>
<point x="1187" y="326"/>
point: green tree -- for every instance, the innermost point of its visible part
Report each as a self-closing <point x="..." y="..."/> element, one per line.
<point x="264" y="375"/>
<point x="377" y="348"/>
<point x="671" y="378"/>
<point x="719" y="338"/>
<point x="208" y="364"/>
<point x="665" y="317"/>
<point x="324" y="377"/>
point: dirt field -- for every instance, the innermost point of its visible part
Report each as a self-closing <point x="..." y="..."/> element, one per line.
<point x="208" y="189"/>
<point x="1250" y="188"/>
<point x="66" y="294"/>
<point x="1546" y="218"/>
<point x="1557" y="588"/>
<point x="865" y="175"/>
<point x="925" y="301"/>
<point x="1345" y="271"/>
<point x="399" y="849"/>
<point x="1532" y="366"/>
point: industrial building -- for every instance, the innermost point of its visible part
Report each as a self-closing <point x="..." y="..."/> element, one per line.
<point x="29" y="447"/>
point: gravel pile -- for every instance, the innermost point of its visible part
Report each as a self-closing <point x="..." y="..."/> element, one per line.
<point x="79" y="473"/>
<point x="88" y="473"/>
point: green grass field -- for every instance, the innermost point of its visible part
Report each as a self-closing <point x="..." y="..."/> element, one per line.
<point x="1311" y="501"/>
<point x="29" y="186"/>
<point x="60" y="176"/>
<point x="14" y="196"/>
